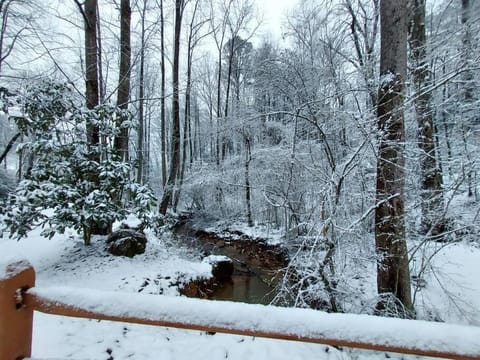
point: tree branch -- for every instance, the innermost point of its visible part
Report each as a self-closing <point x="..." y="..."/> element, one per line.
<point x="9" y="147"/>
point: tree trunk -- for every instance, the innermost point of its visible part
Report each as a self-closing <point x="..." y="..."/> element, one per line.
<point x="190" y="137"/>
<point x="9" y="147"/>
<point x="197" y="141"/>
<point x="468" y="89"/>
<point x="186" y="121"/>
<point x="393" y="276"/>
<point x="219" y="111"/>
<point x="162" y="100"/>
<point x="101" y="83"/>
<point x="123" y="95"/>
<point x="431" y="183"/>
<point x="148" y="135"/>
<point x="227" y="95"/>
<point x="186" y="141"/>
<point x="141" y="108"/>
<point x="445" y="96"/>
<point x="248" y="158"/>
<point x="467" y="51"/>
<point x="175" y="145"/>
<point x="91" y="64"/>
<point x="21" y="155"/>
<point x="92" y="89"/>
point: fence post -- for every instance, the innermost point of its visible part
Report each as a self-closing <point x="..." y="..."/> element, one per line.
<point x="16" y="319"/>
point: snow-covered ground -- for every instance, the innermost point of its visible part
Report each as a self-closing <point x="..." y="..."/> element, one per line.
<point x="64" y="261"/>
<point x="451" y="288"/>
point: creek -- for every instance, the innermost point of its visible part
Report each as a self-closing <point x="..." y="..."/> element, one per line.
<point x="245" y="288"/>
<point x="257" y="265"/>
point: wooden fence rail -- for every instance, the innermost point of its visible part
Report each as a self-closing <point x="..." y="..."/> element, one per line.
<point x="19" y="298"/>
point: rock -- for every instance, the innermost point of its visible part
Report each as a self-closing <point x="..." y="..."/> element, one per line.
<point x="200" y="288"/>
<point x="126" y="242"/>
<point x="222" y="267"/>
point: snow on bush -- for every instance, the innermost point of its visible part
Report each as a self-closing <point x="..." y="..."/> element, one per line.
<point x="83" y="184"/>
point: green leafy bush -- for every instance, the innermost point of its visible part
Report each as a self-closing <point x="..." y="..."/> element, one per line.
<point x="72" y="184"/>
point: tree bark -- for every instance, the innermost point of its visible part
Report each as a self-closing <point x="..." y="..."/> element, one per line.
<point x="141" y="102"/>
<point x="101" y="82"/>
<point x="227" y="94"/>
<point x="197" y="144"/>
<point x="219" y="110"/>
<point x="9" y="147"/>
<point x="162" y="100"/>
<point x="92" y="91"/>
<point x="91" y="65"/>
<point x="123" y="95"/>
<point x="175" y="157"/>
<point x="186" y="116"/>
<point x="393" y="276"/>
<point x="248" y="159"/>
<point x="467" y="51"/>
<point x="187" y="141"/>
<point x="431" y="176"/>
<point x="468" y="88"/>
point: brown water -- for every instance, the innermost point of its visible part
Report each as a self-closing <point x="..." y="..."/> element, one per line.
<point x="253" y="259"/>
<point x="245" y="288"/>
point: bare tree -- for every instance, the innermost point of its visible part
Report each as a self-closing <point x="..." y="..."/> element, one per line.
<point x="364" y="31"/>
<point x="238" y="18"/>
<point x="194" y="38"/>
<point x="219" y="33"/>
<point x="176" y="137"/>
<point x="7" y="44"/>
<point x="431" y="177"/>
<point x="15" y="18"/>
<point x="206" y="89"/>
<point x="393" y="276"/>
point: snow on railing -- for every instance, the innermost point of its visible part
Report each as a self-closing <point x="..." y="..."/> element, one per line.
<point x="19" y="298"/>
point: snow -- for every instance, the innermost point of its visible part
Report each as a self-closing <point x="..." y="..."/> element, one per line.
<point x="270" y="235"/>
<point x="301" y="323"/>
<point x="387" y="79"/>
<point x="131" y="221"/>
<point x="84" y="339"/>
<point x="15" y="111"/>
<point x="212" y="259"/>
<point x="91" y="274"/>
<point x="452" y="291"/>
<point x="10" y="265"/>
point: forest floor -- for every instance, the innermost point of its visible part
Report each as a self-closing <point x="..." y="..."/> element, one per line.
<point x="450" y="289"/>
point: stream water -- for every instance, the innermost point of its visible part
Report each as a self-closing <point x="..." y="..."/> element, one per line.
<point x="253" y="260"/>
<point x="245" y="288"/>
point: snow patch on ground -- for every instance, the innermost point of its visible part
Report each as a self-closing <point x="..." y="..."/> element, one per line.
<point x="240" y="230"/>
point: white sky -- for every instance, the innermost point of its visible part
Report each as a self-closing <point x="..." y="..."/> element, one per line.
<point x="274" y="14"/>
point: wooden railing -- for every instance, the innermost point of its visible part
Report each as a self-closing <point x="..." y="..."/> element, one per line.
<point x="19" y="298"/>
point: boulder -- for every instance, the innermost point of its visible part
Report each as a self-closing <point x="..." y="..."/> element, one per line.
<point x="222" y="267"/>
<point x="126" y="242"/>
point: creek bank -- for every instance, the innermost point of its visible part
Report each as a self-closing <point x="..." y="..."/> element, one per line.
<point x="257" y="265"/>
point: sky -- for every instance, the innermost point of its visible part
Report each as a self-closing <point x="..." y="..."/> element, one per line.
<point x="274" y="13"/>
